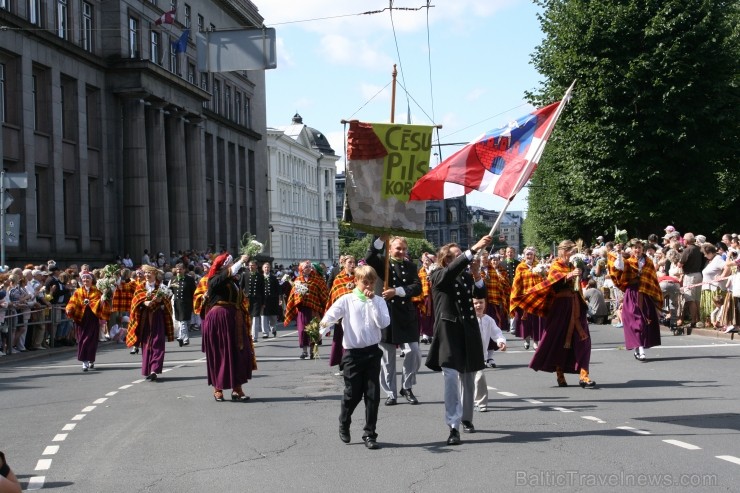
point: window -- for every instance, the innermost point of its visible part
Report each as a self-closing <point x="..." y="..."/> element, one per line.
<point x="238" y="107"/>
<point x="247" y="113"/>
<point x="62" y="23"/>
<point x="217" y="96"/>
<point x="227" y="102"/>
<point x="174" y="68"/>
<point x="87" y="27"/>
<point x="35" y="101"/>
<point x="204" y="85"/>
<point x="432" y="217"/>
<point x="188" y="17"/>
<point x="201" y="23"/>
<point x="34" y="12"/>
<point x="133" y="37"/>
<point x="69" y="108"/>
<point x="191" y="73"/>
<point x="3" y="101"/>
<point x="5" y="4"/>
<point x="173" y="4"/>
<point x="154" y="55"/>
<point x="94" y="124"/>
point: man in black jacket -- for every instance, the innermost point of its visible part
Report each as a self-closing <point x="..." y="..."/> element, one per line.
<point x="403" y="284"/>
<point x="457" y="350"/>
<point x="253" y="285"/>
<point x="183" y="289"/>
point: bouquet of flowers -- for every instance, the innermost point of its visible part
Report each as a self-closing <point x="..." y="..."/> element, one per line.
<point x="620" y="236"/>
<point x="250" y="246"/>
<point x="163" y="292"/>
<point x="111" y="270"/>
<point x="106" y="285"/>
<point x="578" y="260"/>
<point x="313" y="331"/>
<point x="541" y="269"/>
<point x="301" y="288"/>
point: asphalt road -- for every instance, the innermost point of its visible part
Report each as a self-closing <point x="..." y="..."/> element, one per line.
<point x="670" y="422"/>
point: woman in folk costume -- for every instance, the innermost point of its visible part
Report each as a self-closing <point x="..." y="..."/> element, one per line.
<point x="423" y="302"/>
<point x="150" y="325"/>
<point x="307" y="300"/>
<point x="528" y="326"/>
<point x="634" y="274"/>
<point x="565" y="346"/>
<point x="86" y="309"/>
<point x="227" y="339"/>
<point x="498" y="292"/>
<point x="344" y="283"/>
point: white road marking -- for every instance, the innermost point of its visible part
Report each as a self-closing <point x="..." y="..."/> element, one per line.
<point x="679" y="443"/>
<point x="124" y="387"/>
<point x="50" y="450"/>
<point x="166" y="370"/>
<point x="69" y="427"/>
<point x="533" y="401"/>
<point x="111" y="394"/>
<point x="78" y="417"/>
<point x="594" y="418"/>
<point x="60" y="437"/>
<point x="88" y="409"/>
<point x="100" y="401"/>
<point x="43" y="465"/>
<point x="633" y="430"/>
<point x="492" y="388"/>
<point x="562" y="409"/>
<point x="508" y="394"/>
<point x="35" y="483"/>
<point x="729" y="458"/>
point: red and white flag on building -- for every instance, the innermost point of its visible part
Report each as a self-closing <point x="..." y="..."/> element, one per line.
<point x="166" y="18"/>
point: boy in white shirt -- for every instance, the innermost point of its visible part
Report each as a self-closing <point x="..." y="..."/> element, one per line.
<point x="489" y="331"/>
<point x="363" y="316"/>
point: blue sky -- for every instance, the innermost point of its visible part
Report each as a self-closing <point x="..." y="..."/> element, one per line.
<point x="331" y="69"/>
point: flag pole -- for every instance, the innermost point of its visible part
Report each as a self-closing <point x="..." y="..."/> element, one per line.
<point x="387" y="241"/>
<point x="526" y="171"/>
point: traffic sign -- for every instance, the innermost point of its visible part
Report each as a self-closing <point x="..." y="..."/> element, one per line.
<point x="15" y="180"/>
<point x="7" y="200"/>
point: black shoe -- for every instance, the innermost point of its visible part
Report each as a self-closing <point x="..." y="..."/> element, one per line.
<point x="344" y="434"/>
<point x="265" y="336"/>
<point x="371" y="443"/>
<point x="303" y="355"/>
<point x="152" y="376"/>
<point x="186" y="343"/>
<point x="390" y="401"/>
<point x="274" y="333"/>
<point x="92" y="366"/>
<point x="179" y="341"/>
<point x="409" y="396"/>
<point x="468" y="427"/>
<point x="587" y="384"/>
<point x="134" y="350"/>
<point x="454" y="438"/>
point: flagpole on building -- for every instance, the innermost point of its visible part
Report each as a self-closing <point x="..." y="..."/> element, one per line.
<point x="526" y="171"/>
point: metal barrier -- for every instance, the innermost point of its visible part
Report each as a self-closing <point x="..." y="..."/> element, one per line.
<point x="53" y="315"/>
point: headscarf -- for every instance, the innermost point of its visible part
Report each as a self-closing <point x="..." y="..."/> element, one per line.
<point x="223" y="260"/>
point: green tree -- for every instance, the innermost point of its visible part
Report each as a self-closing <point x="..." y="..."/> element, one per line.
<point x="650" y="136"/>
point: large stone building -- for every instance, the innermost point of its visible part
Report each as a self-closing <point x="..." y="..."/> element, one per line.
<point x="302" y="171"/>
<point x="126" y="145"/>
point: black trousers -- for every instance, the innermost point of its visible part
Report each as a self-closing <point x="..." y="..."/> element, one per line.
<point x="361" y="370"/>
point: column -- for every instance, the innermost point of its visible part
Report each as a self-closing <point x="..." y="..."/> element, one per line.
<point x="196" y="183"/>
<point x="158" y="198"/>
<point x="177" y="182"/>
<point x="135" y="178"/>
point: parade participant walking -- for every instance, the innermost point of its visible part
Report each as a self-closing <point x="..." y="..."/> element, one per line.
<point x="498" y="292"/>
<point x="527" y="326"/>
<point x="86" y="309"/>
<point x="456" y="348"/>
<point x="226" y="336"/>
<point x="270" y="300"/>
<point x="307" y="300"/>
<point x="150" y="323"/>
<point x="183" y="289"/>
<point x="565" y="346"/>
<point x="403" y="284"/>
<point x="363" y="315"/>
<point x="490" y="333"/>
<point x="344" y="283"/>
<point x="634" y="274"/>
<point x="253" y="285"/>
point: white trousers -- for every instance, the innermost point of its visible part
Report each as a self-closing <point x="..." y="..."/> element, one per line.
<point x="459" y="395"/>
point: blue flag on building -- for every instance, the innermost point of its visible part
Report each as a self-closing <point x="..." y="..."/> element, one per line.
<point x="181" y="45"/>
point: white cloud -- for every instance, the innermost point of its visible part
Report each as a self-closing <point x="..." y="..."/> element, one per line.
<point x="342" y="50"/>
<point x="285" y="59"/>
<point x="375" y="92"/>
<point x="475" y="94"/>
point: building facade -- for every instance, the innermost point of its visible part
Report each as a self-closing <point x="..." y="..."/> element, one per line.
<point x="302" y="198"/>
<point x="126" y="145"/>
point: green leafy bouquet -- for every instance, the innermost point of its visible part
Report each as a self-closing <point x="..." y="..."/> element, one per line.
<point x="250" y="246"/>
